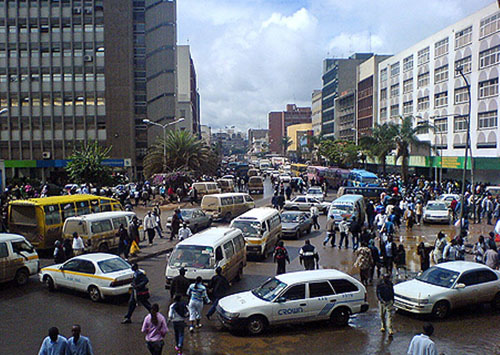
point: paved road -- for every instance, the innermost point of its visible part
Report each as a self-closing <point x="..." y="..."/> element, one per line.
<point x="27" y="313"/>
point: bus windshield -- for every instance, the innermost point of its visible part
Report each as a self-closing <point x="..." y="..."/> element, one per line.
<point x="193" y="256"/>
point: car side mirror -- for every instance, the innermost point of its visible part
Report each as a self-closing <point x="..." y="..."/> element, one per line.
<point x="281" y="300"/>
<point x="460" y="286"/>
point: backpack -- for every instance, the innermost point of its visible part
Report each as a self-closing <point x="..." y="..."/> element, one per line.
<point x="280" y="253"/>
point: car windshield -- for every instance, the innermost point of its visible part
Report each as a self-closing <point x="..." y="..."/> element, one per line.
<point x="290" y="218"/>
<point x="195" y="256"/>
<point x="315" y="192"/>
<point x="249" y="228"/>
<point x="20" y="246"/>
<point x="437" y="207"/>
<point x="112" y="265"/>
<point x="186" y="213"/>
<point x="439" y="277"/>
<point x="342" y="208"/>
<point x="269" y="289"/>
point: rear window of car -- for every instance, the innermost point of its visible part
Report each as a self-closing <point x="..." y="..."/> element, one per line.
<point x="320" y="289"/>
<point x="112" y="265"/>
<point x="75" y="226"/>
<point x="23" y="215"/>
<point x="343" y="286"/>
<point x="101" y="226"/>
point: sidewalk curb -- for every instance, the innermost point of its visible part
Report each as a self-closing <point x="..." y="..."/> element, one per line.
<point x="149" y="255"/>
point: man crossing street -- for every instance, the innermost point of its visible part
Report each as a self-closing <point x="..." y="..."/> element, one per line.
<point x="308" y="256"/>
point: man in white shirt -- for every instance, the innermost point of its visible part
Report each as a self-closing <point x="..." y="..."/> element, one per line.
<point x="422" y="344"/>
<point x="184" y="232"/>
<point x="149" y="225"/>
<point x="78" y="245"/>
<point x="314" y="214"/>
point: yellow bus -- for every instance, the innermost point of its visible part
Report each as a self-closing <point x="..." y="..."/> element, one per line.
<point x="40" y="220"/>
<point x="298" y="169"/>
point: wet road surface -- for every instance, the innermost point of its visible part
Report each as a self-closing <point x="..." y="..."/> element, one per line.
<point x="26" y="314"/>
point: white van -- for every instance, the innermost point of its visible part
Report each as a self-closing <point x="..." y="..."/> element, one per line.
<point x="348" y="206"/>
<point x="18" y="259"/>
<point x="295" y="297"/>
<point x="226" y="206"/>
<point x="261" y="228"/>
<point x="204" y="252"/>
<point x="206" y="188"/>
<point x="98" y="230"/>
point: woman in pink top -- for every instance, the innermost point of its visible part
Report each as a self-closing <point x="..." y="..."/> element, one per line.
<point x="155" y="328"/>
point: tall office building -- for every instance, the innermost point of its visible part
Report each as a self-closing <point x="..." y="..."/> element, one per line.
<point x="316" y="112"/>
<point x="339" y="75"/>
<point x="279" y="122"/>
<point x="187" y="92"/>
<point x="76" y="71"/>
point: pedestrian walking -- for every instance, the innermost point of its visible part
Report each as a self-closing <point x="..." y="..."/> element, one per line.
<point x="385" y="296"/>
<point x="53" y="344"/>
<point x="175" y="224"/>
<point x="479" y="250"/>
<point x="376" y="260"/>
<point x="78" y="344"/>
<point x="491" y="258"/>
<point x="423" y="251"/>
<point x="59" y="255"/>
<point x="389" y="250"/>
<point x="158" y="229"/>
<point x="281" y="257"/>
<point x="198" y="294"/>
<point x="149" y="226"/>
<point x="344" y="230"/>
<point x="364" y="262"/>
<point x="184" y="232"/>
<point x="133" y="231"/>
<point x="439" y="245"/>
<point x="155" y="328"/>
<point x="400" y="261"/>
<point x="68" y="248"/>
<point x="331" y="230"/>
<point x="180" y="284"/>
<point x="419" y="211"/>
<point x="288" y="192"/>
<point x="354" y="228"/>
<point x="422" y="344"/>
<point x="177" y="314"/>
<point x="78" y="245"/>
<point x="140" y="293"/>
<point x="451" y="252"/>
<point x="308" y="256"/>
<point x="123" y="241"/>
<point x="218" y="286"/>
<point x="314" y="215"/>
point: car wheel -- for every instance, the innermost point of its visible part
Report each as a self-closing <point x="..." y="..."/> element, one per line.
<point x="256" y="325"/>
<point x="94" y="294"/>
<point x="340" y="317"/>
<point x="297" y="235"/>
<point x="495" y="304"/>
<point x="49" y="283"/>
<point x="441" y="309"/>
<point x="22" y="277"/>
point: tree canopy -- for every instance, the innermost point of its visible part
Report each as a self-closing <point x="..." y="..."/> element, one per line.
<point x="85" y="165"/>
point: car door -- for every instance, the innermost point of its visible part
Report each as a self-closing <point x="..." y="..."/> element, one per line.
<point x="322" y="299"/>
<point x="83" y="275"/>
<point x="66" y="275"/>
<point x="468" y="294"/>
<point x="204" y="219"/>
<point x="4" y="261"/>
<point x="488" y="285"/>
<point x="301" y="203"/>
<point x="291" y="305"/>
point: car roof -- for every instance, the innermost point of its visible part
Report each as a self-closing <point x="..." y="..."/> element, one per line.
<point x="209" y="236"/>
<point x="101" y="215"/>
<point x="256" y="213"/>
<point x="227" y="194"/>
<point x="293" y="212"/>
<point x="348" y="198"/>
<point x="5" y="237"/>
<point x="96" y="256"/>
<point x="311" y="275"/>
<point x="461" y="266"/>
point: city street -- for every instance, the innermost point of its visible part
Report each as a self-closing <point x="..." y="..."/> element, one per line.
<point x="28" y="312"/>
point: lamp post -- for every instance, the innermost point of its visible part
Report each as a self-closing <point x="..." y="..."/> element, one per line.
<point x="164" y="126"/>
<point x="4" y="110"/>
<point x="460" y="70"/>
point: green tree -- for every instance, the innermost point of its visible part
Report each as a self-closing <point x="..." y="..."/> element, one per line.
<point x="405" y="137"/>
<point x="341" y="153"/>
<point x="285" y="143"/>
<point x="85" y="165"/>
<point x="184" y="151"/>
<point x="381" y="142"/>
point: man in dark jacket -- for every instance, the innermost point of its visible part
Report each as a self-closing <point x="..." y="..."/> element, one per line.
<point x="175" y="224"/>
<point x="140" y="293"/>
<point x="133" y="230"/>
<point x="180" y="284"/>
<point x="281" y="257"/>
<point x="385" y="296"/>
<point x="308" y="255"/>
<point x="219" y="286"/>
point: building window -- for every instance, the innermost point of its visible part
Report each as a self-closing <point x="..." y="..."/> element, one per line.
<point x="461" y="95"/>
<point x="408" y="86"/>
<point x="441" y="99"/>
<point x="441" y="48"/>
<point x="489" y="25"/>
<point x="423" y="80"/>
<point x="383" y="113"/>
<point x="459" y="124"/>
<point x="394" y="110"/>
<point x="383" y="75"/>
<point x="441" y="74"/>
<point x="487" y="119"/>
<point x="395" y="69"/>
<point x="395" y="90"/>
<point x="441" y="125"/>
<point x="423" y="56"/>
<point x="383" y="94"/>
<point x="423" y="103"/>
<point x="408" y="107"/>
<point x="489" y="57"/>
<point x="463" y="38"/>
<point x="465" y="64"/>
<point x="488" y="88"/>
<point x="408" y="63"/>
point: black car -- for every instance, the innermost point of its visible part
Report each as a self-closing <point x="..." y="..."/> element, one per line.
<point x="295" y="223"/>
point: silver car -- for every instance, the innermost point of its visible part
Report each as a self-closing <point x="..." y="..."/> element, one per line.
<point x="295" y="224"/>
<point x="195" y="218"/>
<point x="304" y="203"/>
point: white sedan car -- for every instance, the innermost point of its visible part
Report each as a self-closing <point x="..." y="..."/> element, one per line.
<point x="448" y="198"/>
<point x="315" y="192"/>
<point x="304" y="203"/>
<point x="98" y="274"/>
<point x="285" y="178"/>
<point x="437" y="212"/>
<point x="447" y="286"/>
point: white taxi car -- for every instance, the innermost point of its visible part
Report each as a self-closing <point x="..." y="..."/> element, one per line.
<point x="304" y="203"/>
<point x="295" y="297"/>
<point x="448" y="285"/>
<point x="437" y="211"/>
<point x="98" y="274"/>
<point x="315" y="192"/>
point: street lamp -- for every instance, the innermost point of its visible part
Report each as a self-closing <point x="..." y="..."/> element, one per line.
<point x="164" y="126"/>
<point x="460" y="70"/>
<point x="4" y="110"/>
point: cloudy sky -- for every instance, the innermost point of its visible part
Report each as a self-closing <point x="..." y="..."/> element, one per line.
<point x="255" y="56"/>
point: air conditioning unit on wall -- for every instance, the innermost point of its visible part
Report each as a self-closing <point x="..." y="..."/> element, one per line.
<point x="46" y="155"/>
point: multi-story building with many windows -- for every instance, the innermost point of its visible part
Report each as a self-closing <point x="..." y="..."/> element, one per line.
<point x="75" y="71"/>
<point x="422" y="81"/>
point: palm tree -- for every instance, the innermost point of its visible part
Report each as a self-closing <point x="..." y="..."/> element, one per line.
<point x="405" y="137"/>
<point x="380" y="144"/>
<point x="285" y="143"/>
<point x="183" y="151"/>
